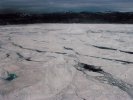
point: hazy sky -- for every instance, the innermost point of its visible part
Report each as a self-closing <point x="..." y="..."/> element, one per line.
<point x="66" y="5"/>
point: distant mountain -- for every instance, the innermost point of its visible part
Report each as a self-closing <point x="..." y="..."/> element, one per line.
<point x="66" y="17"/>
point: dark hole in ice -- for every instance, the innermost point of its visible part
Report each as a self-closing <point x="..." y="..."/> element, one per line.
<point x="91" y="67"/>
<point x="68" y="48"/>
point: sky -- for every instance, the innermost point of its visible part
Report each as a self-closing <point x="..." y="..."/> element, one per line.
<point x="41" y="6"/>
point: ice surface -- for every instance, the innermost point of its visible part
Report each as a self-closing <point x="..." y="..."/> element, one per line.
<point x="45" y="59"/>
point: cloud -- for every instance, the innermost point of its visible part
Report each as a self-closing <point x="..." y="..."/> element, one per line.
<point x="65" y="5"/>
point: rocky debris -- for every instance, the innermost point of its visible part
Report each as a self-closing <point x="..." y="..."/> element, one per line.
<point x="107" y="48"/>
<point x="66" y="62"/>
<point x="27" y="48"/>
<point x="121" y="61"/>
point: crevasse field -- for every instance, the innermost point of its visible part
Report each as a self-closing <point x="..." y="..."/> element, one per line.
<point x="66" y="62"/>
